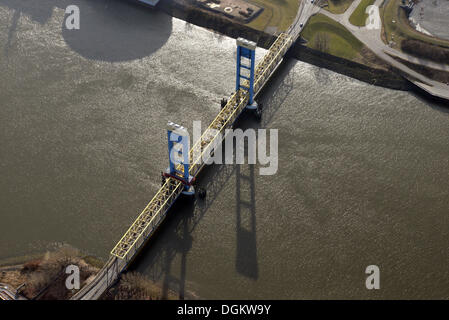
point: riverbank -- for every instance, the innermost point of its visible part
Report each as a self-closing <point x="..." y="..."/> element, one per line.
<point x="382" y="76"/>
<point x="42" y="277"/>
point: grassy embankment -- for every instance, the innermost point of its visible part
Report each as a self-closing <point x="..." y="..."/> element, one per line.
<point x="338" y="6"/>
<point x="324" y="34"/>
<point x="396" y="28"/>
<point x="276" y="13"/>
<point x="359" y="16"/>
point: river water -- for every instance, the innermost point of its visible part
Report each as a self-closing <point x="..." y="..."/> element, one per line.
<point x="363" y="171"/>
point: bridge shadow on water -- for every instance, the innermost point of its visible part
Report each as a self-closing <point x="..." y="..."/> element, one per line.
<point x="110" y="30"/>
<point x="115" y="30"/>
<point x="173" y="240"/>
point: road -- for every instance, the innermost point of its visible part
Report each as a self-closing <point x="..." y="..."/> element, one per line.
<point x="305" y="11"/>
<point x="373" y="40"/>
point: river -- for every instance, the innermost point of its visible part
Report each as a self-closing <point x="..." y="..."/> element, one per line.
<point x="363" y="171"/>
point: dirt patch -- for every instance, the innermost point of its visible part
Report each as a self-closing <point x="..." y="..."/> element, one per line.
<point x="44" y="278"/>
<point x="13" y="277"/>
<point x="239" y="10"/>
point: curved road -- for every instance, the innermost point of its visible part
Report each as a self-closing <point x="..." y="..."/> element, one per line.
<point x="373" y="40"/>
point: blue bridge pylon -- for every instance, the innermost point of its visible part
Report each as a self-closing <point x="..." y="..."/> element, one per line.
<point x="178" y="156"/>
<point x="246" y="69"/>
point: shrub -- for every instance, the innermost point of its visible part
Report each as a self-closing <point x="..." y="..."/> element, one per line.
<point x="31" y="266"/>
<point x="424" y="50"/>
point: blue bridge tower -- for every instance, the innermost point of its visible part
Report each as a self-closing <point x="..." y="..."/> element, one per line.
<point x="246" y="69"/>
<point x="178" y="154"/>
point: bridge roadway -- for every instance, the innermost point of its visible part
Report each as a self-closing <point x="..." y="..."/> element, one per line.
<point x="152" y="216"/>
<point x="7" y="294"/>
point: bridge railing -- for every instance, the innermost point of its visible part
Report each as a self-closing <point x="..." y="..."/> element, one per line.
<point x="215" y="132"/>
<point x="271" y="60"/>
<point x="155" y="211"/>
<point x="107" y="274"/>
<point x="148" y="220"/>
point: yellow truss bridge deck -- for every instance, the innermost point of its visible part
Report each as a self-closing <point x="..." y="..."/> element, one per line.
<point x="157" y="208"/>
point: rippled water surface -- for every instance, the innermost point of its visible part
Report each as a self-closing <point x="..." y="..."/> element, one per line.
<point x="363" y="171"/>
